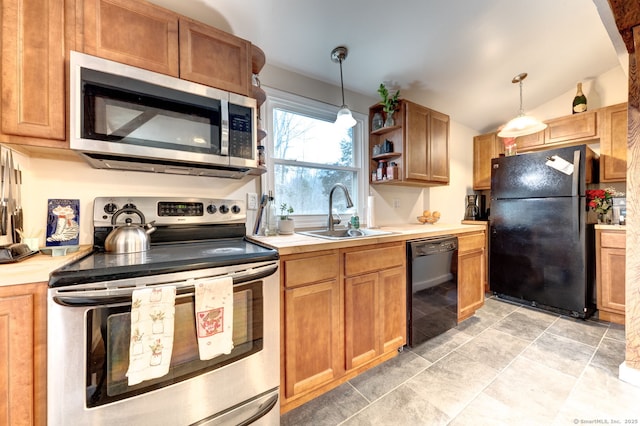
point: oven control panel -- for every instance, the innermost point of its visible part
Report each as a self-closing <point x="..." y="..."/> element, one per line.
<point x="169" y="210"/>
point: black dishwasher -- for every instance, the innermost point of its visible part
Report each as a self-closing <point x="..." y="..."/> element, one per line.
<point x="432" y="287"/>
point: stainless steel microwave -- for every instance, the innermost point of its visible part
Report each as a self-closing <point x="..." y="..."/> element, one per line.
<point x="127" y="118"/>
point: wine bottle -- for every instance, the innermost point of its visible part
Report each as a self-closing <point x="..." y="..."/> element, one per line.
<point x="580" y="101"/>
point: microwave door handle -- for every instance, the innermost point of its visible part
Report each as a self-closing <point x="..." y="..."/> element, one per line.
<point x="224" y="127"/>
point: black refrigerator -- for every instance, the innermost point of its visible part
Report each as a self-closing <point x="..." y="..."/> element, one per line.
<point x="541" y="246"/>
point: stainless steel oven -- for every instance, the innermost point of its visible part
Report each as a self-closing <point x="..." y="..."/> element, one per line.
<point x="89" y="323"/>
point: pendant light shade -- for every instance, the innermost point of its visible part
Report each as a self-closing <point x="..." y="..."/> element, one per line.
<point x="344" y="117"/>
<point x="522" y="124"/>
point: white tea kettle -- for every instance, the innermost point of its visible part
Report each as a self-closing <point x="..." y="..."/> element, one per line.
<point x="129" y="238"/>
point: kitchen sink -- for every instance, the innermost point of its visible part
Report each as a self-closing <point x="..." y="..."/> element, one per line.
<point x="343" y="234"/>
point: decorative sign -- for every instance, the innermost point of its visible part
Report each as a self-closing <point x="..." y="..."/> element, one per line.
<point x="63" y="223"/>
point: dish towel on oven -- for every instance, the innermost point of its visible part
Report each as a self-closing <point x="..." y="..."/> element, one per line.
<point x="214" y="317"/>
<point x="151" y="343"/>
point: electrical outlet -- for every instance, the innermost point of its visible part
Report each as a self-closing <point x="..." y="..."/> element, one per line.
<point x="396" y="203"/>
<point x="252" y="201"/>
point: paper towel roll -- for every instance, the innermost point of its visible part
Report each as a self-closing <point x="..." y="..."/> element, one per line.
<point x="371" y="220"/>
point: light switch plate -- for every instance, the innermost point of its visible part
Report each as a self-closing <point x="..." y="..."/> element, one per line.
<point x="252" y="201"/>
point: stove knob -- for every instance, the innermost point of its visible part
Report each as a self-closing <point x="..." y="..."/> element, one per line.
<point x="129" y="206"/>
<point x="110" y="208"/>
<point x="211" y="209"/>
<point x="224" y="209"/>
<point x="235" y="209"/>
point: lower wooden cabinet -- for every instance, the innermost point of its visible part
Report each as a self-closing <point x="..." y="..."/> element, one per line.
<point x="343" y="311"/>
<point x="471" y="273"/>
<point x="610" y="274"/>
<point x="23" y="386"/>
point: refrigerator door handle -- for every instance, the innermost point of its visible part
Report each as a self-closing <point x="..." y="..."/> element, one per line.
<point x="574" y="192"/>
<point x="576" y="174"/>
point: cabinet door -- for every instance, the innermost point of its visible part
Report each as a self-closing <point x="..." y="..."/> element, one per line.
<point x="471" y="274"/>
<point x="530" y="141"/>
<point x="23" y="354"/>
<point x="133" y="33"/>
<point x="214" y="58"/>
<point x="393" y="308"/>
<point x="361" y="319"/>
<point x="612" y="264"/>
<point x="572" y="127"/>
<point x="427" y="145"/>
<point x="33" y="76"/>
<point x="438" y="147"/>
<point x="312" y="336"/>
<point x="613" y="144"/>
<point x="483" y="152"/>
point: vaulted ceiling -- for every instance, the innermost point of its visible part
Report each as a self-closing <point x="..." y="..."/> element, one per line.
<point x="458" y="56"/>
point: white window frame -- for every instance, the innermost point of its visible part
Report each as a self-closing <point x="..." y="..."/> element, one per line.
<point x="323" y="111"/>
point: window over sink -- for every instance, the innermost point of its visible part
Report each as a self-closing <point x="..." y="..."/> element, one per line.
<point x="308" y="154"/>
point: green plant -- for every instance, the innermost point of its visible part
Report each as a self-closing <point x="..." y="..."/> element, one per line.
<point x="285" y="211"/>
<point x="389" y="103"/>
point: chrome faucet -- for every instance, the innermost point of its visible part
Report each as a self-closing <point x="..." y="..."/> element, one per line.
<point x="333" y="221"/>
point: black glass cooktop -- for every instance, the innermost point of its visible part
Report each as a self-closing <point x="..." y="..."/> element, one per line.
<point x="161" y="259"/>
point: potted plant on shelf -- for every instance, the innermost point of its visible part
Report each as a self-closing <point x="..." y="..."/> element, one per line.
<point x="389" y="104"/>
<point x="285" y="224"/>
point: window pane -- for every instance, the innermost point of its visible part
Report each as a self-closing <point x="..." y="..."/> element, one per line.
<point x="307" y="189"/>
<point x="301" y="138"/>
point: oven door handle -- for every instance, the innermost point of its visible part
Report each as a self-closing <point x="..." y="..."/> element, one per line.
<point x="112" y="296"/>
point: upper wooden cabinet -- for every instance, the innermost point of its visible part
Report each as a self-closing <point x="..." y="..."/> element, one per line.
<point x="214" y="58"/>
<point x="608" y="125"/>
<point x="613" y="143"/>
<point x="485" y="147"/>
<point x="420" y="145"/>
<point x="33" y="72"/>
<point x="135" y="33"/>
<point x="147" y="36"/>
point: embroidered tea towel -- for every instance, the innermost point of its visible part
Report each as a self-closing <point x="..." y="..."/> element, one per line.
<point x="151" y="344"/>
<point x="214" y="317"/>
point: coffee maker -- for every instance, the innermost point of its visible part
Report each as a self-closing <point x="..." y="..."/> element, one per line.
<point x="475" y="207"/>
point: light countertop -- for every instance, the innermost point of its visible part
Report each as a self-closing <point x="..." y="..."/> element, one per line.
<point x="37" y="268"/>
<point x="297" y="243"/>
<point x="611" y="227"/>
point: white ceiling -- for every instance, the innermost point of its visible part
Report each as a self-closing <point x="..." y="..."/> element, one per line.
<point x="456" y="56"/>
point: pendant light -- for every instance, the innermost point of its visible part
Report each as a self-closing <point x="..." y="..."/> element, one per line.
<point x="522" y="124"/>
<point x="344" y="118"/>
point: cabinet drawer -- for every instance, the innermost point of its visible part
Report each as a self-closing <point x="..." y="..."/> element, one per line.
<point x="363" y="261"/>
<point x="613" y="239"/>
<point x="471" y="242"/>
<point x="308" y="270"/>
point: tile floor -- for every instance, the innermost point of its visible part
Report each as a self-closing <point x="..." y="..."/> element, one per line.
<point x="506" y="365"/>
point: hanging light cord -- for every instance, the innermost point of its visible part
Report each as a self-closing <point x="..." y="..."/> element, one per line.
<point x="341" y="82"/>
<point x="521" y="108"/>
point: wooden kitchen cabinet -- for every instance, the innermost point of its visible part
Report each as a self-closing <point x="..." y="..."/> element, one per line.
<point x="571" y="128"/>
<point x="157" y="39"/>
<point x="214" y="58"/>
<point x="610" y="274"/>
<point x="33" y="72"/>
<point x="471" y="273"/>
<point x="613" y="143"/>
<point x="343" y="312"/>
<point x="485" y="148"/>
<point x="375" y="302"/>
<point x="132" y="32"/>
<point x="23" y="361"/>
<point x="421" y="145"/>
<point x="311" y="322"/>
